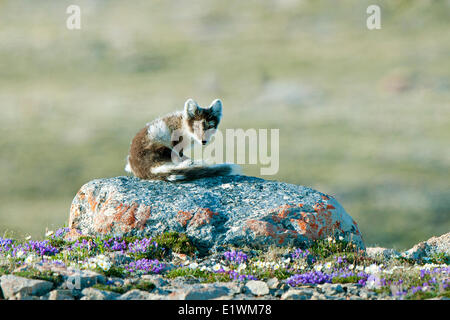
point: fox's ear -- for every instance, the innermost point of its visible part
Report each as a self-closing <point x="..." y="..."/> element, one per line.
<point x="216" y="108"/>
<point x="190" y="107"/>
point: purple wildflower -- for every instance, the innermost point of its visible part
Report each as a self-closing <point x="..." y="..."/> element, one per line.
<point x="143" y="246"/>
<point x="299" y="254"/>
<point x="314" y="277"/>
<point x="60" y="233"/>
<point x="145" y="266"/>
<point x="235" y="256"/>
<point x="234" y="275"/>
<point x="115" y="244"/>
<point x="40" y="247"/>
<point x="6" y="245"/>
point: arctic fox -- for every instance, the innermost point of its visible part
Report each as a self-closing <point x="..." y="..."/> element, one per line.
<point x="156" y="152"/>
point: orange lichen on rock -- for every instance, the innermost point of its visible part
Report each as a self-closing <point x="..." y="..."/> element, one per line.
<point x="266" y="229"/>
<point x="74" y="211"/>
<point x="92" y="202"/>
<point x="126" y="217"/>
<point x="318" y="224"/>
<point x="81" y="195"/>
<point x="304" y="228"/>
<point x="319" y="207"/>
<point x="72" y="234"/>
<point x="201" y="217"/>
<point x="183" y="217"/>
<point x="283" y="211"/>
<point x="261" y="228"/>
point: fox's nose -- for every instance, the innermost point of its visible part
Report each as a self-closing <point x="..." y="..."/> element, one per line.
<point x="204" y="142"/>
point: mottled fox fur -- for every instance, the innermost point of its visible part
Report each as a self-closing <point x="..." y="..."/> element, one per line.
<point x="156" y="152"/>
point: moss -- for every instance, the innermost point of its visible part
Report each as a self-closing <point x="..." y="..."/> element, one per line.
<point x="5" y="270"/>
<point x="144" y="286"/>
<point x="264" y="274"/>
<point x="57" y="243"/>
<point x="351" y="279"/>
<point x="105" y="287"/>
<point x="32" y="273"/>
<point x="112" y="272"/>
<point x="203" y="276"/>
<point x="176" y="242"/>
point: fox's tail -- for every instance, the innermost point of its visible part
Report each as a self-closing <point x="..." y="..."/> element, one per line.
<point x="192" y="171"/>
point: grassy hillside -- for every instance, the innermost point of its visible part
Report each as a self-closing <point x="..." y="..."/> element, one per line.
<point x="363" y="115"/>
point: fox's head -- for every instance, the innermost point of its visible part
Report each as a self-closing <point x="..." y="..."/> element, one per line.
<point x="202" y="123"/>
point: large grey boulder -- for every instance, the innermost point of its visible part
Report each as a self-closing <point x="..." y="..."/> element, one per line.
<point x="12" y="285"/>
<point x="236" y="210"/>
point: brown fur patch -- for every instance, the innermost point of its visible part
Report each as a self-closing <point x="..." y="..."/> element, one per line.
<point x="203" y="114"/>
<point x="146" y="154"/>
<point x="174" y="121"/>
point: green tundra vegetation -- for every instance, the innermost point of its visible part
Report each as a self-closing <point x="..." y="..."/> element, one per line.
<point x="363" y="114"/>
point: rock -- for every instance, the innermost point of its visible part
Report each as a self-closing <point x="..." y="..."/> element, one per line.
<point x="206" y="292"/>
<point x="330" y="289"/>
<point x="278" y="293"/>
<point x="256" y="287"/>
<point x="273" y="283"/>
<point x="178" y="294"/>
<point x="230" y="210"/>
<point x="136" y="294"/>
<point x="60" y="295"/>
<point x="24" y="296"/>
<point x="297" y="294"/>
<point x="12" y="285"/>
<point x="80" y="279"/>
<point x="381" y="253"/>
<point x="243" y="296"/>
<point x="157" y="280"/>
<point x="96" y="294"/>
<point x="352" y="289"/>
<point x="432" y="246"/>
<point x="318" y="296"/>
<point x="365" y="294"/>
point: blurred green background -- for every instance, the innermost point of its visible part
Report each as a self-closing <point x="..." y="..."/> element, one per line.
<point x="363" y="115"/>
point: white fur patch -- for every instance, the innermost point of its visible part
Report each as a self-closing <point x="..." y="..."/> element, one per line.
<point x="167" y="167"/>
<point x="128" y="166"/>
<point x="175" y="177"/>
<point x="158" y="130"/>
